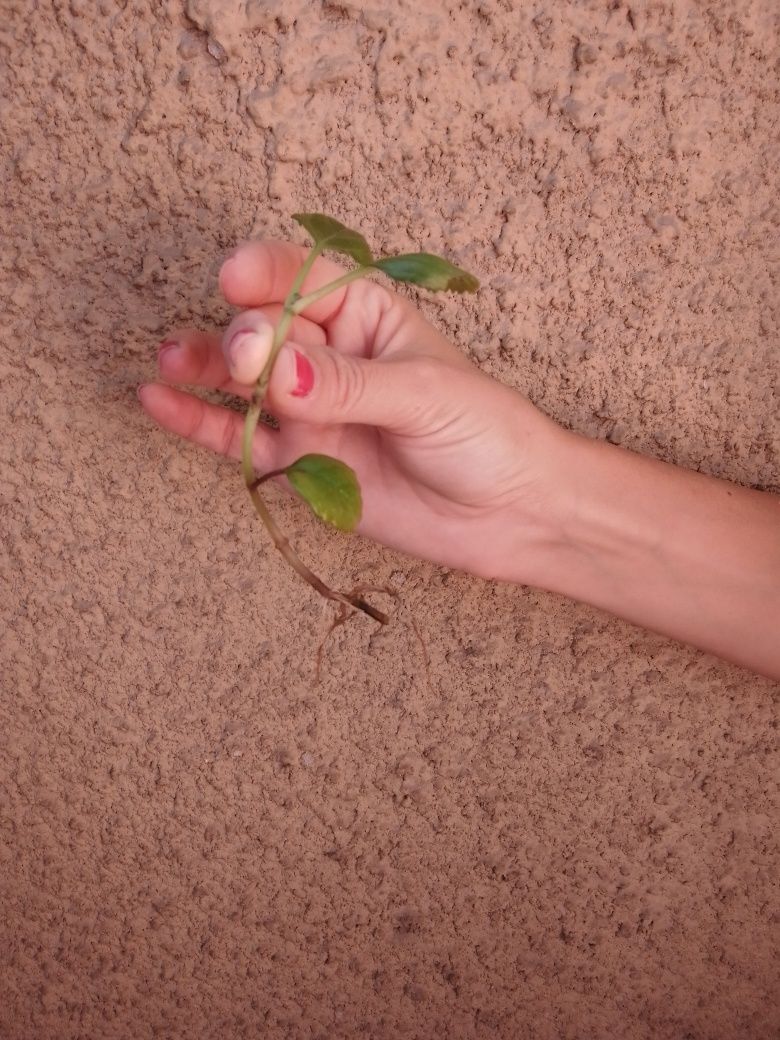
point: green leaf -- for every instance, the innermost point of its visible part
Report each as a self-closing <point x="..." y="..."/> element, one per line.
<point x="330" y="487"/>
<point x="331" y="234"/>
<point x="429" y="271"/>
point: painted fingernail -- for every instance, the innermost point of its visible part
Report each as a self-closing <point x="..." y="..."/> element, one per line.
<point x="304" y="376"/>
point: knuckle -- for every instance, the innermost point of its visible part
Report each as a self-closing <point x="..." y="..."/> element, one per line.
<point x="348" y="382"/>
<point x="198" y="421"/>
<point x="226" y="440"/>
<point x="380" y="300"/>
<point x="215" y="432"/>
<point x="270" y="262"/>
<point x="427" y="377"/>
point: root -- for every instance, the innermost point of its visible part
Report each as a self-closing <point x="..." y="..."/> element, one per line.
<point x="348" y="610"/>
<point x="345" y="612"/>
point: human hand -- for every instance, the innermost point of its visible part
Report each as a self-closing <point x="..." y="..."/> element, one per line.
<point x="453" y="466"/>
<point x="460" y="470"/>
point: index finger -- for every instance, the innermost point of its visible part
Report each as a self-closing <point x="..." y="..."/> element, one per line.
<point x="262" y="272"/>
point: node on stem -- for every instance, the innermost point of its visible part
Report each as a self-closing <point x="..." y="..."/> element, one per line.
<point x="328" y="485"/>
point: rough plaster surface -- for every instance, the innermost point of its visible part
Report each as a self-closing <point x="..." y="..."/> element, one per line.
<point x="567" y="828"/>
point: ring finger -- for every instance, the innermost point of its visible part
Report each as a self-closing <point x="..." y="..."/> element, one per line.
<point x="196" y="358"/>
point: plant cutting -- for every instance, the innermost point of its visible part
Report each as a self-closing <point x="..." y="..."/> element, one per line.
<point x="329" y="486"/>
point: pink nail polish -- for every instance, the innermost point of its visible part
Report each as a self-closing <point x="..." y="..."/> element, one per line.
<point x="304" y="376"/>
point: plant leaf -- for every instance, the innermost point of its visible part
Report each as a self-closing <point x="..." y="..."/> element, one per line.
<point x="330" y="487"/>
<point x="332" y="234"/>
<point x="429" y="271"/>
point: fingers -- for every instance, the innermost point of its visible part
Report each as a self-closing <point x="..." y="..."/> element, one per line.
<point x="405" y="394"/>
<point x="263" y="272"/>
<point x="201" y="358"/>
<point x="210" y="425"/>
<point x="195" y="358"/>
<point x="259" y="273"/>
<point x="248" y="338"/>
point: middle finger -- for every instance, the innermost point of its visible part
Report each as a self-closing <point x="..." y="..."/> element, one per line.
<point x="195" y="358"/>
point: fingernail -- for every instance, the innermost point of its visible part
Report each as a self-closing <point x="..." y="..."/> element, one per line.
<point x="227" y="266"/>
<point x="142" y="390"/>
<point x="168" y="350"/>
<point x="248" y="350"/>
<point x="238" y="344"/>
<point x="304" y="376"/>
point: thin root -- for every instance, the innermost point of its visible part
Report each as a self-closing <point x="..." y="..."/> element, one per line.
<point x="346" y="610"/>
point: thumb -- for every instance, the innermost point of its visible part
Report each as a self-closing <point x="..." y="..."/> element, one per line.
<point x="320" y="385"/>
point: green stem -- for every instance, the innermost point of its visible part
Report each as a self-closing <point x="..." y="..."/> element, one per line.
<point x="266" y="477"/>
<point x="261" y="387"/>
<point x="256" y="402"/>
<point x="293" y="305"/>
<point x="302" y="302"/>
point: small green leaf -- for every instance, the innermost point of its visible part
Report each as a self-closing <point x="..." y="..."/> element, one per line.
<point x="330" y="487"/>
<point x="331" y="234"/>
<point x="429" y="271"/>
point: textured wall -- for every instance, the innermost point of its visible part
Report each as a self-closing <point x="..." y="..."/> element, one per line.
<point x="566" y="827"/>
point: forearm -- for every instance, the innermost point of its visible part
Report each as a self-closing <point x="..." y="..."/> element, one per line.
<point x="683" y="554"/>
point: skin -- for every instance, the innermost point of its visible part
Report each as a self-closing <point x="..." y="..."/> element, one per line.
<point x="463" y="471"/>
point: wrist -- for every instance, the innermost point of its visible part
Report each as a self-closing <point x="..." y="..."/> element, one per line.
<point x="666" y="548"/>
<point x="532" y="536"/>
<point x="592" y="531"/>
